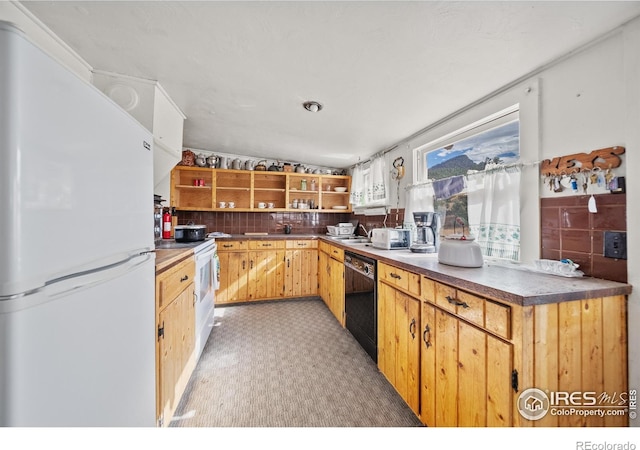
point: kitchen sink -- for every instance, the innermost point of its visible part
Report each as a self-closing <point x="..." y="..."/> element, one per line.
<point x="351" y="239"/>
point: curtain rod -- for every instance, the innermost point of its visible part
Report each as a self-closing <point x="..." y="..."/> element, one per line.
<point x="479" y="172"/>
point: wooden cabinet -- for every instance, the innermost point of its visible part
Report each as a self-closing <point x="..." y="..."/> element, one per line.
<point x="476" y="355"/>
<point x="260" y="269"/>
<point x="202" y="189"/>
<point x="331" y="277"/>
<point x="465" y="373"/>
<point x="301" y="268"/>
<point x="175" y="345"/>
<point x="266" y="270"/>
<point x="398" y="332"/>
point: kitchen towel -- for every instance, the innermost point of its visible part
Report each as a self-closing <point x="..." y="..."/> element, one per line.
<point x="448" y="187"/>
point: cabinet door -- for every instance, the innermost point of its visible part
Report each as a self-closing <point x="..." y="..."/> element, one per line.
<point x="175" y="347"/>
<point x="233" y="277"/>
<point x="399" y="342"/>
<point x="465" y="373"/>
<point x="301" y="273"/>
<point x="324" y="277"/>
<point x="266" y="276"/>
<point x="336" y="289"/>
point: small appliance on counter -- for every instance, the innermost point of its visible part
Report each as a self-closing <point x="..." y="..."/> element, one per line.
<point x="461" y="251"/>
<point x="427" y="226"/>
<point x="189" y="233"/>
<point x="390" y="238"/>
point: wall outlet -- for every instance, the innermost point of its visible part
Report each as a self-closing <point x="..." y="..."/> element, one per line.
<point x="615" y="244"/>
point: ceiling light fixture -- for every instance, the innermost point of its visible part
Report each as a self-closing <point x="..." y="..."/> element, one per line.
<point x="312" y="106"/>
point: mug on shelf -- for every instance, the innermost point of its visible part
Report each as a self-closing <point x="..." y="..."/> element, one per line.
<point x="222" y="204"/>
<point x="232" y="204"/>
<point x="271" y="205"/>
<point x="262" y="205"/>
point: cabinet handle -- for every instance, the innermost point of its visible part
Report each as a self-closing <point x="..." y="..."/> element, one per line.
<point x="457" y="302"/>
<point x="395" y="275"/>
<point x="227" y="245"/>
<point x="288" y="260"/>
<point x="244" y="264"/>
<point x="266" y="245"/>
<point x="412" y="328"/>
<point x="427" y="331"/>
<point x="184" y="278"/>
<point x="251" y="264"/>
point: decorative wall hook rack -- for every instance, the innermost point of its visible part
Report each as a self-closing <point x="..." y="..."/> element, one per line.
<point x="604" y="158"/>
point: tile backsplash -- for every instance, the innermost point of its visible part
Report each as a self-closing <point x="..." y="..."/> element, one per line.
<point x="569" y="230"/>
<point x="264" y="222"/>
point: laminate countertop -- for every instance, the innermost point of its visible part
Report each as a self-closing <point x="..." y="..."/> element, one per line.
<point x="511" y="283"/>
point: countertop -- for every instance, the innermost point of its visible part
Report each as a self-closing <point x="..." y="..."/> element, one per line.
<point x="170" y="252"/>
<point x="496" y="281"/>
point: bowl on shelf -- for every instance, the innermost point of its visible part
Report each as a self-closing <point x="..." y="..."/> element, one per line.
<point x="340" y="189"/>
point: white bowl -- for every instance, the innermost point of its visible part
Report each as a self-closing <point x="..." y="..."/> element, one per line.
<point x="340" y="189"/>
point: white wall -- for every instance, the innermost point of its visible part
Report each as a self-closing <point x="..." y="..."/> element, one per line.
<point x="587" y="101"/>
<point x="44" y="38"/>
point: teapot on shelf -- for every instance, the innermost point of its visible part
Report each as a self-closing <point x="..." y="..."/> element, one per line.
<point x="249" y="164"/>
<point x="274" y="167"/>
<point x="300" y="168"/>
<point x="262" y="165"/>
<point x="236" y="164"/>
<point x="212" y="161"/>
<point x="201" y="160"/>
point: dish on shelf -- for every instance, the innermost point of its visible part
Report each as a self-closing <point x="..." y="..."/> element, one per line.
<point x="339" y="207"/>
<point x="340" y="189"/>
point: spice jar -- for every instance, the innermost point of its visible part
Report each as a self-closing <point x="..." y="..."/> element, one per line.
<point x="303" y="184"/>
<point x="313" y="185"/>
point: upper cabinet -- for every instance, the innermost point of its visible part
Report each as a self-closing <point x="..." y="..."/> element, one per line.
<point x="204" y="189"/>
<point x="150" y="105"/>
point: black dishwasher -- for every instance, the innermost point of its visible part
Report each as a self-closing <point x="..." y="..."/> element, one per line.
<point x="361" y="309"/>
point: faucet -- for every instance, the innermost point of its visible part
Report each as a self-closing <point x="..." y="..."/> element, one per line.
<point x="368" y="233"/>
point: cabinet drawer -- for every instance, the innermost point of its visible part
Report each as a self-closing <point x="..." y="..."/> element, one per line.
<point x="262" y="245"/>
<point x="400" y="278"/>
<point x="232" y="245"/>
<point x="302" y="244"/>
<point x="336" y="253"/>
<point x="492" y="316"/>
<point x="172" y="282"/>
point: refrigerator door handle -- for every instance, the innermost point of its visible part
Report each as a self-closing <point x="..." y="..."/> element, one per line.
<point x="59" y="287"/>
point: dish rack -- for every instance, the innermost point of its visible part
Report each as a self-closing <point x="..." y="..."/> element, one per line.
<point x="341" y="229"/>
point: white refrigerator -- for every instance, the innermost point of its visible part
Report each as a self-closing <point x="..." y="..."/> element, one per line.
<point x="77" y="309"/>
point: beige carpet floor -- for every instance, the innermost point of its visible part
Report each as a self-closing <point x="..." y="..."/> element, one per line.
<point x="287" y="364"/>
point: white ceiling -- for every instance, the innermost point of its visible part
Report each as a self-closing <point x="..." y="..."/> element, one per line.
<point x="241" y="70"/>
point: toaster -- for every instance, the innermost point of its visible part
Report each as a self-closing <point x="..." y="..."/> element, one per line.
<point x="390" y="238"/>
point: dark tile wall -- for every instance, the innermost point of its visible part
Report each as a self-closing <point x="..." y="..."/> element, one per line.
<point x="569" y="230"/>
<point x="265" y="222"/>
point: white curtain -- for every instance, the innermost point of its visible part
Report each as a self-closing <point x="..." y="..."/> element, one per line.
<point x="369" y="184"/>
<point x="494" y="211"/>
<point x="419" y="199"/>
<point x="377" y="183"/>
<point x="357" y="186"/>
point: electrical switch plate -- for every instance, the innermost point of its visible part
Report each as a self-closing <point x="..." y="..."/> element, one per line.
<point x="615" y="244"/>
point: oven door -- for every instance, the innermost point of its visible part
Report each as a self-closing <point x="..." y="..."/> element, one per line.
<point x="206" y="278"/>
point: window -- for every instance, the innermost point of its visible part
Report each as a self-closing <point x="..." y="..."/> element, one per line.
<point x="475" y="183"/>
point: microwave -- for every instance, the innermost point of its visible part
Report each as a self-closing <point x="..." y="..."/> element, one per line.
<point x="390" y="238"/>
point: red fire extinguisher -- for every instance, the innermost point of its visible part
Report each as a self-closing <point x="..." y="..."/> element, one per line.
<point x="166" y="224"/>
